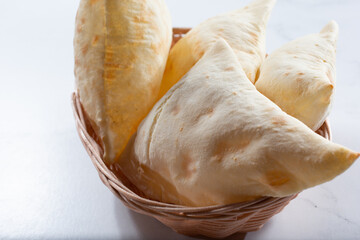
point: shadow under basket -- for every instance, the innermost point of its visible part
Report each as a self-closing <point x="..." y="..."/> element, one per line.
<point x="218" y="221"/>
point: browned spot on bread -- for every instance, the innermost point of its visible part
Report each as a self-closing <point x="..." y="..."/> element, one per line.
<point x="207" y="76"/>
<point x="300" y="74"/>
<point x="95" y="40"/>
<point x="82" y="20"/>
<point x="112" y="65"/>
<point x="223" y="148"/>
<point x="84" y="49"/>
<point x="276" y="178"/>
<point x="290" y="129"/>
<point x="254" y="36"/>
<point x="286" y="74"/>
<point x="109" y="75"/>
<point x="109" y="53"/>
<point x="278" y="120"/>
<point x="250" y="51"/>
<point x="208" y="112"/>
<point x="218" y="159"/>
<point x="234" y="93"/>
<point x="181" y="129"/>
<point x="176" y="110"/>
<point x="79" y="29"/>
<point x="231" y="68"/>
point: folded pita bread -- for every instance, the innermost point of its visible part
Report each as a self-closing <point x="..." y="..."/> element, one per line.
<point x="300" y="76"/>
<point x="243" y="29"/>
<point x="214" y="139"/>
<point x="121" y="49"/>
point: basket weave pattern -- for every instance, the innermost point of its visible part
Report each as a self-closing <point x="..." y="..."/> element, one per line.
<point x="214" y="221"/>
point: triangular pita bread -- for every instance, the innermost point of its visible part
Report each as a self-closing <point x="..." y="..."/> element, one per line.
<point x="214" y="139"/>
<point x="121" y="49"/>
<point x="300" y="76"/>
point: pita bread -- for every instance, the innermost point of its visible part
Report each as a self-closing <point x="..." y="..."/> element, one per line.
<point x="243" y="29"/>
<point x="214" y="139"/>
<point x="300" y="76"/>
<point x="121" y="49"/>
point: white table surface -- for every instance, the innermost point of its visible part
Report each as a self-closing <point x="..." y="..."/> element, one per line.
<point x="48" y="185"/>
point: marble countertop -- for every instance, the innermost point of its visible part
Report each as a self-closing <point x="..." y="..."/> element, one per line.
<point x="48" y="186"/>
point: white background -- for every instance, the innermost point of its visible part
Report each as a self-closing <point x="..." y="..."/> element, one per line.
<point x="48" y="186"/>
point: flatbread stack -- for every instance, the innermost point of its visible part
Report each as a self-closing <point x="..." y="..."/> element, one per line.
<point x="224" y="129"/>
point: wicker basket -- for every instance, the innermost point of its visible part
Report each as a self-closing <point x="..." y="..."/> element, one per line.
<point x="214" y="221"/>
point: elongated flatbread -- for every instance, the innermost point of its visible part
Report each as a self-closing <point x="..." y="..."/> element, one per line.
<point x="214" y="139"/>
<point x="243" y="29"/>
<point x="300" y="76"/>
<point x="121" y="49"/>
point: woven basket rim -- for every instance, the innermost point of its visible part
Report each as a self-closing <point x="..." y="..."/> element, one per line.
<point x="98" y="162"/>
